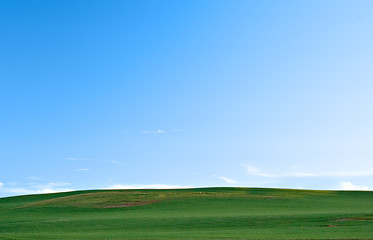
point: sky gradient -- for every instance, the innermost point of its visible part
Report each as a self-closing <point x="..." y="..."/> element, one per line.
<point x="134" y="94"/>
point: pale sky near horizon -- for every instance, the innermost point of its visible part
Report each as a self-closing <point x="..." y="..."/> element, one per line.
<point x="167" y="94"/>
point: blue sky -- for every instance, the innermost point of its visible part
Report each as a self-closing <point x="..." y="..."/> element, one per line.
<point x="137" y="94"/>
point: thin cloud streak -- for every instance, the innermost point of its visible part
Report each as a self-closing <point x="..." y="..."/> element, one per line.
<point x="257" y="172"/>
<point x="51" y="187"/>
<point x="228" y="180"/>
<point x="352" y="187"/>
<point x="92" y="160"/>
<point x="159" y="131"/>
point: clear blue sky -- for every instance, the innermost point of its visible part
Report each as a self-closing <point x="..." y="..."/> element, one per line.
<point x="126" y="94"/>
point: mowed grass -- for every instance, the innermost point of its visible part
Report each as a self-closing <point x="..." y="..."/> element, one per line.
<point x="207" y="213"/>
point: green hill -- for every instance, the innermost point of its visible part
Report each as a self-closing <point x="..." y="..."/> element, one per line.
<point x="206" y="213"/>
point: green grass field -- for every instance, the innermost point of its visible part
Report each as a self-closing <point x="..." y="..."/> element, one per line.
<point x="207" y="213"/>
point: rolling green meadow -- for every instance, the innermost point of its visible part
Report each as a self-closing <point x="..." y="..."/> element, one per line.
<point x="204" y="213"/>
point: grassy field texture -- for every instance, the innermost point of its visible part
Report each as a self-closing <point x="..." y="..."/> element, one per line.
<point x="206" y="213"/>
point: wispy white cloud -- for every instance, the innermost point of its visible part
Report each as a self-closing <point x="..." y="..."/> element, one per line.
<point x="36" y="178"/>
<point x="150" y="186"/>
<point x="58" y="184"/>
<point x="92" y="160"/>
<point x="348" y="174"/>
<point x="51" y="187"/>
<point x="257" y="172"/>
<point x="1" y="184"/>
<point x="17" y="191"/>
<point x="159" y="131"/>
<point x="228" y="180"/>
<point x="350" y="186"/>
<point x="83" y="169"/>
<point x="51" y="190"/>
